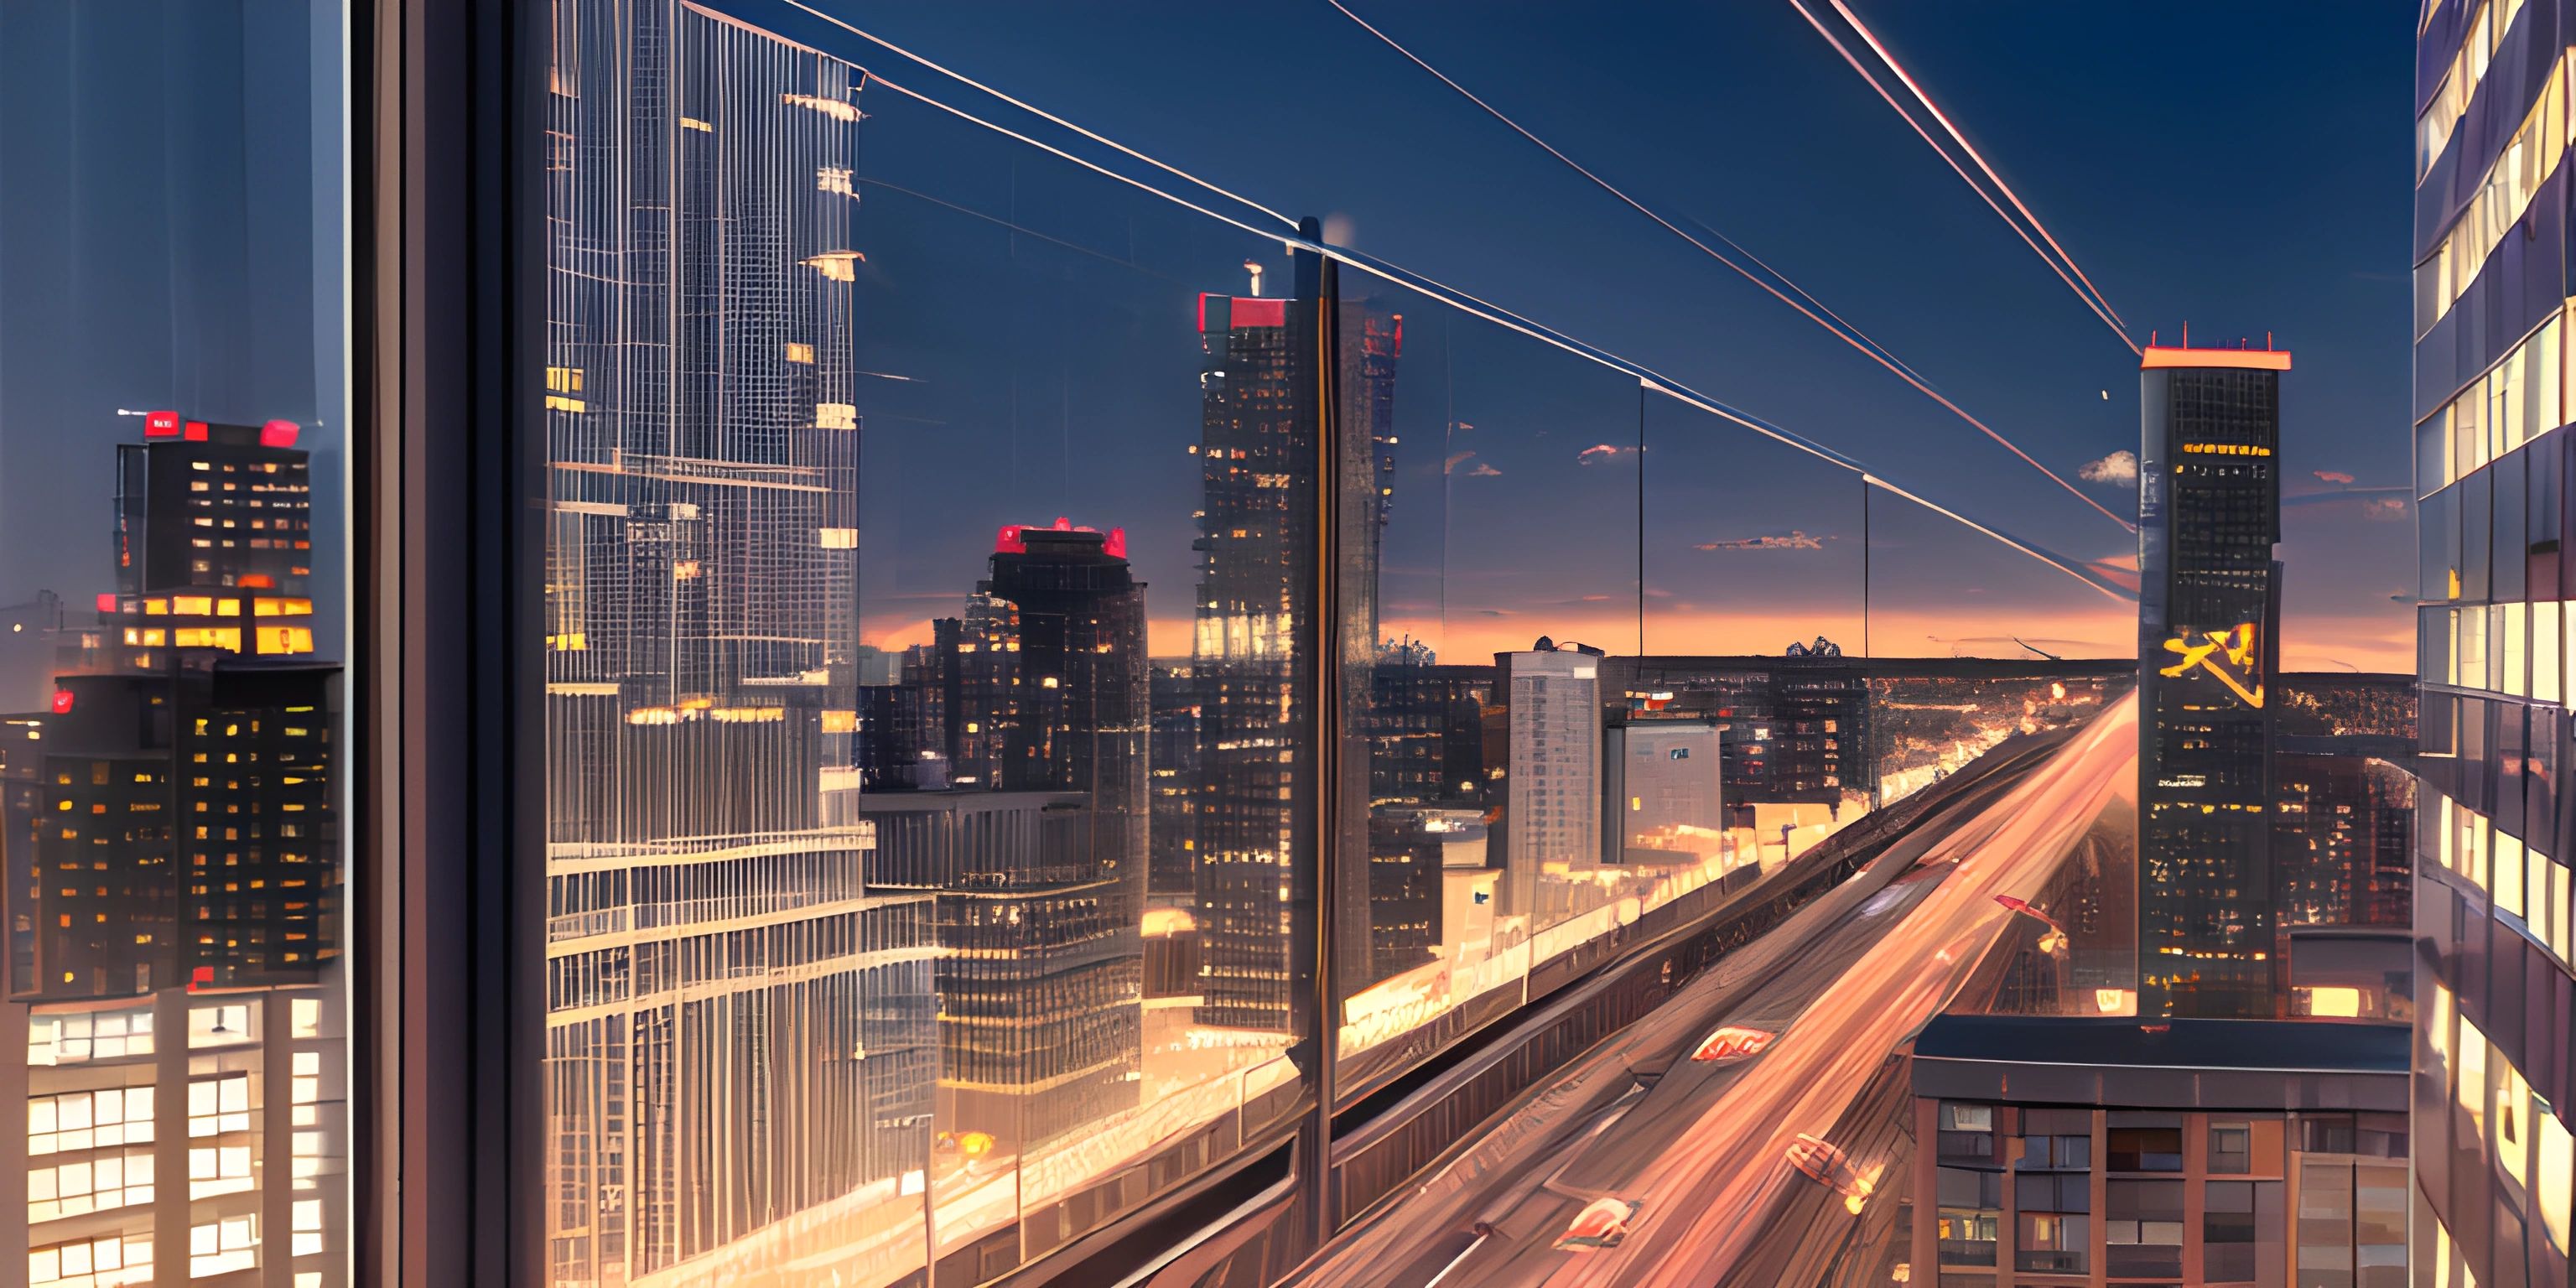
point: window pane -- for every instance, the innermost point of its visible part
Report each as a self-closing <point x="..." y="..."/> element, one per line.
<point x="174" y="610"/>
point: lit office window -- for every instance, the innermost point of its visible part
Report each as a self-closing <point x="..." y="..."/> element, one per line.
<point x="2556" y="1167"/>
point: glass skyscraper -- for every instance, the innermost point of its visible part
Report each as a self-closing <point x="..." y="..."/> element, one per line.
<point x="723" y="977"/>
<point x="2209" y="513"/>
<point x="2495" y="1047"/>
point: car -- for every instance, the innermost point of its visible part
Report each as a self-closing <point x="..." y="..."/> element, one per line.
<point x="1825" y="1163"/>
<point x="1733" y="1043"/>
<point x="1601" y="1224"/>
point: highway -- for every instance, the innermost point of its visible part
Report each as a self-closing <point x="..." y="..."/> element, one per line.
<point x="1701" y="1148"/>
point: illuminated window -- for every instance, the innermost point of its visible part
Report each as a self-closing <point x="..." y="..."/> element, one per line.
<point x="2472" y="1089"/>
<point x="2516" y="676"/>
<point x="79" y="1120"/>
<point x="221" y="1247"/>
<point x="111" y="1261"/>
<point x="2509" y="873"/>
<point x="2557" y="1161"/>
<point x="2545" y="663"/>
<point x="2525" y="162"/>
<point x="93" y="1184"/>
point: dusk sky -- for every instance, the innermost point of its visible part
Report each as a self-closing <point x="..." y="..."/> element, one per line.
<point x="2251" y="185"/>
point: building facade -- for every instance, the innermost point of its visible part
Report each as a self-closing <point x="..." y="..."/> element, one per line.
<point x="2495" y="1055"/>
<point x="173" y="850"/>
<point x="740" y="1043"/>
<point x="1261" y="458"/>
<point x="1552" y="809"/>
<point x="2209" y="513"/>
<point x="2094" y="1151"/>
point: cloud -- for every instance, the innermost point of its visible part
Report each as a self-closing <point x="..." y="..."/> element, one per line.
<point x="1598" y="453"/>
<point x="1796" y="540"/>
<point x="2119" y="469"/>
<point x="2381" y="504"/>
<point x="1451" y="465"/>
<point x="2334" y="476"/>
<point x="1484" y="471"/>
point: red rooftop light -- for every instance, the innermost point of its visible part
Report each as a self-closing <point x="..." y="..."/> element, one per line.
<point x="62" y="702"/>
<point x="1012" y="538"/>
<point x="161" y="424"/>
<point x="278" y="433"/>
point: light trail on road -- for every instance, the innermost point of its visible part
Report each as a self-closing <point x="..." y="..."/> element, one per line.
<point x="1696" y="1192"/>
<point x="1703" y="1147"/>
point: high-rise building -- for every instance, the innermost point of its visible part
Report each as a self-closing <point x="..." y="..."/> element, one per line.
<point x="1036" y="849"/>
<point x="1041" y="963"/>
<point x="1262" y="453"/>
<point x="708" y="1117"/>
<point x="2495" y="894"/>
<point x="2209" y="513"/>
<point x="130" y="892"/>
<point x="1552" y="809"/>
<point x="1662" y="796"/>
<point x="1425" y="730"/>
<point x="172" y="850"/>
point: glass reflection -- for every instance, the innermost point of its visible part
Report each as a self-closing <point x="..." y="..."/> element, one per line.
<point x="172" y="601"/>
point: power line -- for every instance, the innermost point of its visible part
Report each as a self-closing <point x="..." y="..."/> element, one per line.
<point x="1971" y="149"/>
<point x="1101" y="139"/>
<point x="1500" y="316"/>
<point x="2078" y="282"/>
<point x="1896" y="369"/>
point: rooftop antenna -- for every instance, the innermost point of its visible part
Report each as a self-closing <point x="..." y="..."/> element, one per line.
<point x="2186" y="333"/>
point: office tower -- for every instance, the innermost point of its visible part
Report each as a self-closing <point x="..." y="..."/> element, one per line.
<point x="1040" y="971"/>
<point x="2494" y="832"/>
<point x="1552" y="811"/>
<point x="701" y="668"/>
<point x="1662" y="796"/>
<point x="1036" y="848"/>
<point x="2209" y="512"/>
<point x="1425" y="729"/>
<point x="172" y="845"/>
<point x="214" y="542"/>
<point x="1174" y="777"/>
<point x="2190" y="1152"/>
<point x="195" y="840"/>
<point x="1084" y="713"/>
<point x="1259" y="459"/>
<point x="1259" y="621"/>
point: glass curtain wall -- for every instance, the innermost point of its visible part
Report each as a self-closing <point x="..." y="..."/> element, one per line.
<point x="1002" y="625"/>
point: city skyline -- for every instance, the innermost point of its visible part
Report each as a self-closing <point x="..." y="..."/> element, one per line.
<point x="751" y="643"/>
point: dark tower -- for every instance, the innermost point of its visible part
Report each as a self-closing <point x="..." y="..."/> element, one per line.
<point x="2209" y="512"/>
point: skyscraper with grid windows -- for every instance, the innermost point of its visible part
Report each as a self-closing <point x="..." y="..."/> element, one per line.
<point x="2495" y="825"/>
<point x="740" y="1048"/>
